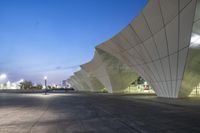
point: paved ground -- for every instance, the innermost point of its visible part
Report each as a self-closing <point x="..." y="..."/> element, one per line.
<point x="97" y="113"/>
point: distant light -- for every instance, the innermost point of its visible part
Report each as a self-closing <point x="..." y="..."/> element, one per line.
<point x="3" y="76"/>
<point x="45" y="77"/>
<point x="21" y="80"/>
<point x="195" y="40"/>
<point x="8" y="83"/>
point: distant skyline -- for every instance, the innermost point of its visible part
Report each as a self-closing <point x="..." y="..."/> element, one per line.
<point x="53" y="37"/>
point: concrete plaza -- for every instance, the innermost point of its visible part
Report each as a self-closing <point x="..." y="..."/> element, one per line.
<point x="92" y="113"/>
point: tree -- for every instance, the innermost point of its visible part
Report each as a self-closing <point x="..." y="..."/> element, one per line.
<point x="49" y="87"/>
<point x="38" y="86"/>
<point x="140" y="80"/>
<point x="26" y="85"/>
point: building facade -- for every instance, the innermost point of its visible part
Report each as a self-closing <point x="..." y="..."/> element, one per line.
<point x="162" y="45"/>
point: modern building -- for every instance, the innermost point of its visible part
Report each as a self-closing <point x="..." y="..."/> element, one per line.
<point x="75" y="84"/>
<point x="82" y="81"/>
<point x="92" y="81"/>
<point x="162" y="45"/>
<point x="113" y="74"/>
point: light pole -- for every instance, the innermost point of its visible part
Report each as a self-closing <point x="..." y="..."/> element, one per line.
<point x="45" y="84"/>
<point x="2" y="77"/>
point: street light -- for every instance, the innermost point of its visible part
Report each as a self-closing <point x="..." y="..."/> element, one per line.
<point x="45" y="84"/>
<point x="3" y="76"/>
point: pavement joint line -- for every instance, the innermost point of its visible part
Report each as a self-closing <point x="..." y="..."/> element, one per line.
<point x="96" y="113"/>
<point x="172" y="104"/>
<point x="35" y="123"/>
<point x="121" y="121"/>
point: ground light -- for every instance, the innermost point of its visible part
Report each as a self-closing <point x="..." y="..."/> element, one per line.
<point x="195" y="40"/>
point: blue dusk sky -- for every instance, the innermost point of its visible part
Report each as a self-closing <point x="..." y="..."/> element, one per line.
<point x="53" y="37"/>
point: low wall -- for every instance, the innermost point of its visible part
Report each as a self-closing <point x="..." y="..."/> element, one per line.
<point x="21" y="91"/>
